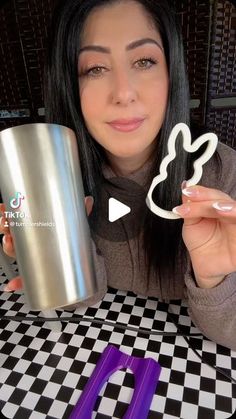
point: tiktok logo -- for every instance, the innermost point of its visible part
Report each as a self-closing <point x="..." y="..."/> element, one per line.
<point x="15" y="202"/>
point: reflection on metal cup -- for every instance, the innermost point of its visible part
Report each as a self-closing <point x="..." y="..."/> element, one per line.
<point x="41" y="186"/>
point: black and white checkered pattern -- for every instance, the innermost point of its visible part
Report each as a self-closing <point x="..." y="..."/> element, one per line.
<point x="42" y="373"/>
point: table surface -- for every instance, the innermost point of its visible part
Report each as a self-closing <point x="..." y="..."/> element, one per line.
<point x="43" y="373"/>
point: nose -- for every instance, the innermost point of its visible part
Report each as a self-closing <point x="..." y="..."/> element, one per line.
<point x="123" y="89"/>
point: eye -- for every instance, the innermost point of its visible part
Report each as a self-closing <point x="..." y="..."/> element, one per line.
<point x="93" y="71"/>
<point x="145" y="63"/>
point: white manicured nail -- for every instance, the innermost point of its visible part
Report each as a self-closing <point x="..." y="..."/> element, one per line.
<point x="223" y="206"/>
<point x="181" y="210"/>
<point x="191" y="191"/>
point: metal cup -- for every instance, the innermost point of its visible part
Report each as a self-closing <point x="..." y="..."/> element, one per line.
<point x="41" y="186"/>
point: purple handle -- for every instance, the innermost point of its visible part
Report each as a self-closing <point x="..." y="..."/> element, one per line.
<point x="146" y="372"/>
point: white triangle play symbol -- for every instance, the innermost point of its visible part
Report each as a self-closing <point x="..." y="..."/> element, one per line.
<point x="116" y="209"/>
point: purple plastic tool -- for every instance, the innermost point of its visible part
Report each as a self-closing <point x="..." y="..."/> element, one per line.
<point x="146" y="374"/>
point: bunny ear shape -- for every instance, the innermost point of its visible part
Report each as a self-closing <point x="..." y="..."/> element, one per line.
<point x="209" y="138"/>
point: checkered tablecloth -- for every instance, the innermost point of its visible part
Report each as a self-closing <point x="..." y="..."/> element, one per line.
<point x="42" y="373"/>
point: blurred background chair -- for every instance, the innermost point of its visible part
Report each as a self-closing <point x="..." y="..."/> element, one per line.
<point x="209" y="32"/>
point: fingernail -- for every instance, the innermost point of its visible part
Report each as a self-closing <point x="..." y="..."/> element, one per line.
<point x="183" y="184"/>
<point x="91" y="199"/>
<point x="7" y="288"/>
<point x="223" y="206"/>
<point x="181" y="210"/>
<point x="6" y="239"/>
<point x="191" y="191"/>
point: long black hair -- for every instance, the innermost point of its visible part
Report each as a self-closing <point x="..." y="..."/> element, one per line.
<point x="163" y="243"/>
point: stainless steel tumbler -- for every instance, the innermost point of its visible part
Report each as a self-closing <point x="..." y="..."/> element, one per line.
<point x="41" y="186"/>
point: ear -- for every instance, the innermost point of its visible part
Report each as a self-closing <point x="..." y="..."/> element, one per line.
<point x="209" y="138"/>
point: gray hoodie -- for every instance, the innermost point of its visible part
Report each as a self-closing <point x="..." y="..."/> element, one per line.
<point x="121" y="265"/>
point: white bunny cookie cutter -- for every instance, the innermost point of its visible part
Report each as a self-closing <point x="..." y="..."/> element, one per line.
<point x="209" y="137"/>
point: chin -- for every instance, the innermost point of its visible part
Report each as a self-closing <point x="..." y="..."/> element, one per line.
<point x="125" y="155"/>
<point x="127" y="150"/>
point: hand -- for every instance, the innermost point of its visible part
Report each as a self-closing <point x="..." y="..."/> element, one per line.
<point x="209" y="233"/>
<point x="8" y="245"/>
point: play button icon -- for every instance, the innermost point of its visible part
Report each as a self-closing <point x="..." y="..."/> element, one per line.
<point x="117" y="210"/>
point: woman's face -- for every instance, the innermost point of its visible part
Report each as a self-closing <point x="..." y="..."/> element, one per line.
<point x="123" y="80"/>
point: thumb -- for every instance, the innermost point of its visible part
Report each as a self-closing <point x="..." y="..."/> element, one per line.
<point x="89" y="204"/>
<point x="185" y="200"/>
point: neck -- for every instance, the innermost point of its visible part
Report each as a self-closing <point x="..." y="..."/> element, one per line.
<point x="124" y="166"/>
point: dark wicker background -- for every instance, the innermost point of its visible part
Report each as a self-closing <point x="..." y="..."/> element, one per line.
<point x="209" y="31"/>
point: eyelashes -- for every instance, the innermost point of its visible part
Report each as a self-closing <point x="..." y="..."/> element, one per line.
<point x="143" y="64"/>
<point x="145" y="60"/>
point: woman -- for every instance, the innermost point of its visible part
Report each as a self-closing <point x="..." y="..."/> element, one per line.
<point x="116" y="76"/>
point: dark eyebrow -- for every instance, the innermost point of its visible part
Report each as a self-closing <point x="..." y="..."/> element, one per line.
<point x="129" y="47"/>
<point x="141" y="42"/>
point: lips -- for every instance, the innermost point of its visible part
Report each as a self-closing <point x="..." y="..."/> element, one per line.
<point x="126" y="125"/>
